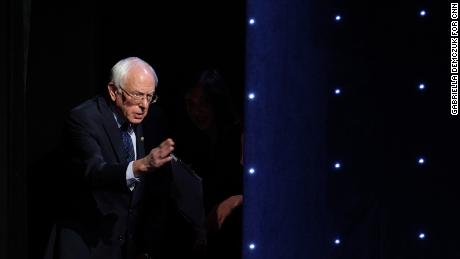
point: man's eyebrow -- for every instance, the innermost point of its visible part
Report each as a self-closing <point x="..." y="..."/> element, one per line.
<point x="139" y="92"/>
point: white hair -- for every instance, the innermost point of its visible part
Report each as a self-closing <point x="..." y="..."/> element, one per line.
<point x="122" y="67"/>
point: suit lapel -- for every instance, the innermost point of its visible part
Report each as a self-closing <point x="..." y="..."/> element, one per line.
<point x="111" y="128"/>
<point x="139" y="142"/>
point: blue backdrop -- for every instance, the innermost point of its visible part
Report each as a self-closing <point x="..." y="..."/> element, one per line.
<point x="348" y="134"/>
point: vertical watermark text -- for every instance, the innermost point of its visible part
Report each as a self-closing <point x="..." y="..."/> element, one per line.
<point x="454" y="58"/>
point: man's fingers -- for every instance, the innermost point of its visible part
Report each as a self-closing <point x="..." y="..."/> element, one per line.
<point x="166" y="159"/>
<point x="163" y="152"/>
<point x="167" y="143"/>
<point x="161" y="156"/>
<point x="166" y="147"/>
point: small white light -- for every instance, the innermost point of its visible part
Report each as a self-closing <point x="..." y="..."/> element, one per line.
<point x="421" y="160"/>
<point x="421" y="235"/>
<point x="421" y="86"/>
<point x="337" y="241"/>
<point x="251" y="171"/>
<point x="252" y="21"/>
<point x="422" y="13"/>
<point x="252" y="246"/>
<point x="337" y="91"/>
<point x="251" y="96"/>
<point x="337" y="165"/>
<point x="338" y="17"/>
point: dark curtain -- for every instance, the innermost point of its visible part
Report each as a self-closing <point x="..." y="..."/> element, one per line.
<point x="14" y="42"/>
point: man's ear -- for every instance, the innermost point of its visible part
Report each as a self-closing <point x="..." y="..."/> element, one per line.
<point x="112" y="91"/>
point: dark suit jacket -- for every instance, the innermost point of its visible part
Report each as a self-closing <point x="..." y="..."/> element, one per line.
<point x="97" y="211"/>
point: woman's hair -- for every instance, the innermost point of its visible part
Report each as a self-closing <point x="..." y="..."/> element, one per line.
<point x="217" y="94"/>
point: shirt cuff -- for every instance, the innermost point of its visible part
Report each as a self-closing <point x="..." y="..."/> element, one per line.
<point x="130" y="179"/>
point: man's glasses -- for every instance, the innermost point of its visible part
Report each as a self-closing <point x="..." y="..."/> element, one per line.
<point x="138" y="97"/>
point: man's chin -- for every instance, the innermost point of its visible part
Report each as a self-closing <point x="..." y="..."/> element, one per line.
<point x="137" y="120"/>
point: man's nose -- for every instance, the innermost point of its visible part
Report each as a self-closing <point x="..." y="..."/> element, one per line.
<point x="144" y="103"/>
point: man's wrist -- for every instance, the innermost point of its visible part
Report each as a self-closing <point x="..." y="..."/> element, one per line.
<point x="139" y="167"/>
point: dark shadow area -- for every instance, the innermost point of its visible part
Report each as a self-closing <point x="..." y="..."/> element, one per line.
<point x="72" y="48"/>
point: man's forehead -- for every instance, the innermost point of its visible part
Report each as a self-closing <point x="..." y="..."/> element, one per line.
<point x="142" y="81"/>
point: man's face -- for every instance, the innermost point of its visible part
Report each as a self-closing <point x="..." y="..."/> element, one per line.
<point x="132" y="99"/>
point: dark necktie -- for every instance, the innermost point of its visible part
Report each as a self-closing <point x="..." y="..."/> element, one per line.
<point x="128" y="146"/>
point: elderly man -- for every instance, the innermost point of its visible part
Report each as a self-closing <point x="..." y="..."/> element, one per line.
<point x="104" y="174"/>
